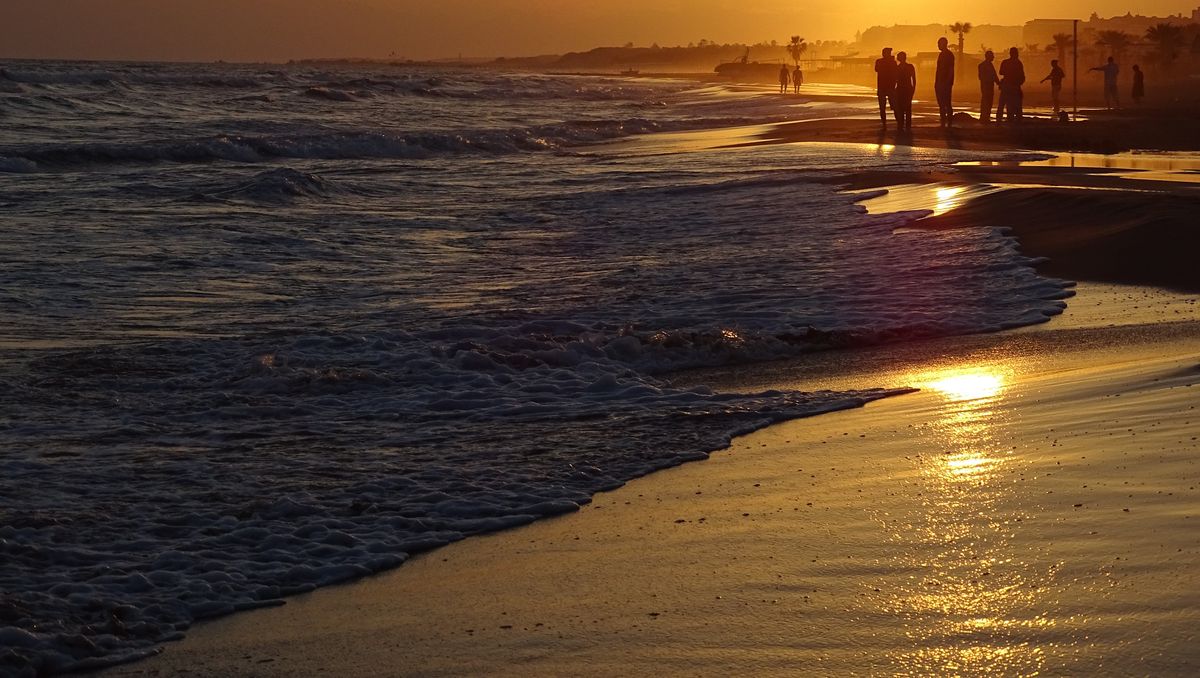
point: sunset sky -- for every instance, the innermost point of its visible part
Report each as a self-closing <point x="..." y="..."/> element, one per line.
<point x="285" y="29"/>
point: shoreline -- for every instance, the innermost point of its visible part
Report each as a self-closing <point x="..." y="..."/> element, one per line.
<point x="296" y="642"/>
<point x="759" y="566"/>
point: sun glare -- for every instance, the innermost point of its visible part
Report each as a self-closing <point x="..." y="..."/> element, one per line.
<point x="948" y="198"/>
<point x="965" y="386"/>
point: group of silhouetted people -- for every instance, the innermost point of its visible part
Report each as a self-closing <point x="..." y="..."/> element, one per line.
<point x="1009" y="80"/>
<point x="795" y="77"/>
<point x="896" y="82"/>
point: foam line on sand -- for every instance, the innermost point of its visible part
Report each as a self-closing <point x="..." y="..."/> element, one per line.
<point x="1033" y="509"/>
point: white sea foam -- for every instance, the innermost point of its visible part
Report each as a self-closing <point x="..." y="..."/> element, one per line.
<point x="347" y="344"/>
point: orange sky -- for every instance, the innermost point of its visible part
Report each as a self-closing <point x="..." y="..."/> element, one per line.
<point x="285" y="29"/>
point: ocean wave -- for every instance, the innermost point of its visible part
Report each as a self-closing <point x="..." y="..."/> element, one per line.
<point x="278" y="186"/>
<point x="333" y="94"/>
<point x="355" y="145"/>
<point x="220" y="529"/>
<point x="61" y="76"/>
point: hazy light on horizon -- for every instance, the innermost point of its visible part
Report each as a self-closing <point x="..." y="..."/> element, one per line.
<point x="286" y="29"/>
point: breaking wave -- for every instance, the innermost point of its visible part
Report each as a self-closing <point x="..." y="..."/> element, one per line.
<point x="354" y="145"/>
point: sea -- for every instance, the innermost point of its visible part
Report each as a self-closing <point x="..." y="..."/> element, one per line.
<point x="267" y="328"/>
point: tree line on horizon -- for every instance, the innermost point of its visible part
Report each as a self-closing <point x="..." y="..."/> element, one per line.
<point x="1162" y="45"/>
<point x="1163" y="42"/>
<point x="695" y="53"/>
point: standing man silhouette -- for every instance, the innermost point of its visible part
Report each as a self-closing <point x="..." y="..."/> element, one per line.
<point x="1112" y="98"/>
<point x="797" y="79"/>
<point x="1056" y="79"/>
<point x="987" y="86"/>
<point x="943" y="82"/>
<point x="906" y="85"/>
<point x="885" y="83"/>
<point x="1012" y="77"/>
<point x="783" y="78"/>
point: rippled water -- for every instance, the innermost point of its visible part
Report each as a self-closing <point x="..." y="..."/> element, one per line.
<point x="267" y="329"/>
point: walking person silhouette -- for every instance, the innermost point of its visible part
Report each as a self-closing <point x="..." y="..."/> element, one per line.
<point x="885" y="83"/>
<point x="987" y="86"/>
<point x="906" y="86"/>
<point x="943" y="82"/>
<point x="784" y="78"/>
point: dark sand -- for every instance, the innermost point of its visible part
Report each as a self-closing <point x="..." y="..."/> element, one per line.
<point x="1114" y="236"/>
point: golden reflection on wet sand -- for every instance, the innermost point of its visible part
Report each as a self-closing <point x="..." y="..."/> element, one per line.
<point x="965" y="607"/>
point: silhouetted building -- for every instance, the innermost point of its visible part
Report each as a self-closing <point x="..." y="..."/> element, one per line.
<point x="1041" y="32"/>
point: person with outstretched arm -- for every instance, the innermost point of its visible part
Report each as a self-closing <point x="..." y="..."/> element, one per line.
<point x="1112" y="98"/>
<point x="1056" y="80"/>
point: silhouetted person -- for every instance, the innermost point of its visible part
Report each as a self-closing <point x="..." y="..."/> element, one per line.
<point x="784" y="79"/>
<point x="1056" y="79"/>
<point x="906" y="85"/>
<point x="1012" y="77"/>
<point x="1112" y="98"/>
<point x="885" y="83"/>
<point x="943" y="82"/>
<point x="987" y="86"/>
<point x="797" y="79"/>
<point x="1139" y="85"/>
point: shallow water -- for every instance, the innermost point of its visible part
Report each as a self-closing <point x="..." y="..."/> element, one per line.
<point x="271" y="328"/>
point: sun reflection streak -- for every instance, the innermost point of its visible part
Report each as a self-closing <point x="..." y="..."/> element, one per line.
<point x="964" y="607"/>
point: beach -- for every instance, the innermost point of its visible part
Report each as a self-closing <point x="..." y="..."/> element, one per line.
<point x="377" y="370"/>
<point x="1029" y="510"/>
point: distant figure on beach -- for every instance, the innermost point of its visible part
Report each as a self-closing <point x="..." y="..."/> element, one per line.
<point x="1139" y="85"/>
<point x="1112" y="98"/>
<point x="987" y="86"/>
<point x="906" y="85"/>
<point x="784" y="79"/>
<point x="885" y="83"/>
<point x="1056" y="79"/>
<point x="1012" y="78"/>
<point x="797" y="79"/>
<point x="943" y="82"/>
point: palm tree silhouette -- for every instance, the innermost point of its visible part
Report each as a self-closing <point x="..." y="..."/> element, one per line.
<point x="796" y="48"/>
<point x="1168" y="41"/>
<point x="961" y="28"/>
<point x="1116" y="42"/>
<point x="1062" y="41"/>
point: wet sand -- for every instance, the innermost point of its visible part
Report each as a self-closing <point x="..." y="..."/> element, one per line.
<point x="1096" y="131"/>
<point x="1032" y="509"/>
